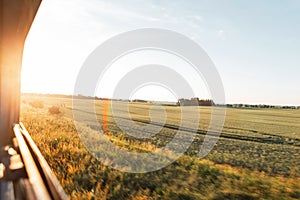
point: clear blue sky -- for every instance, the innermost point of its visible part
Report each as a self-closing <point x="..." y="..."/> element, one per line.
<point x="255" y="45"/>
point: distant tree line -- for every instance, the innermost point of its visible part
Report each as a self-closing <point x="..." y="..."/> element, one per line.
<point x="195" y="102"/>
<point x="181" y="102"/>
<point x="260" y="106"/>
<point x="139" y="100"/>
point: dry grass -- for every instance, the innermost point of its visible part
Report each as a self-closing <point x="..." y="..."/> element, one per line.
<point x="84" y="177"/>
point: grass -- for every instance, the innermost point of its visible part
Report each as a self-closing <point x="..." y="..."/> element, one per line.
<point x="256" y="157"/>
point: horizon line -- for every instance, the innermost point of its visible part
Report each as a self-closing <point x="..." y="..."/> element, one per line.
<point x="227" y="103"/>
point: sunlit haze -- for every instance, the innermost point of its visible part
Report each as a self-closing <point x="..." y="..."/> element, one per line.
<point x="255" y="45"/>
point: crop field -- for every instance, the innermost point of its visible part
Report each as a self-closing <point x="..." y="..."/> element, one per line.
<point x="256" y="157"/>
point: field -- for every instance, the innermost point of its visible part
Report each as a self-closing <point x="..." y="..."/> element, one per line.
<point x="257" y="155"/>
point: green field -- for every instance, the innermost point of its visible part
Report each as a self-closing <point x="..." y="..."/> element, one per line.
<point x="257" y="155"/>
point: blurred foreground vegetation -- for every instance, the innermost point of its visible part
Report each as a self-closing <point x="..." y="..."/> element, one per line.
<point x="238" y="167"/>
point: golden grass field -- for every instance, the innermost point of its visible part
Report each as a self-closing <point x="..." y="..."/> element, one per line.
<point x="256" y="157"/>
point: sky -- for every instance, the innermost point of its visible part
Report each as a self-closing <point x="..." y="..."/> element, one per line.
<point x="255" y="45"/>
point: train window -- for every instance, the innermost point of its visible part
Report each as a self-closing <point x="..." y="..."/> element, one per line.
<point x="150" y="99"/>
